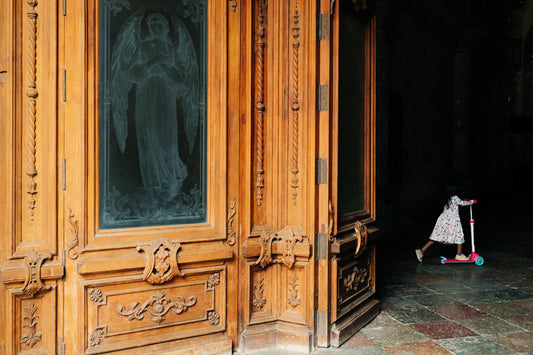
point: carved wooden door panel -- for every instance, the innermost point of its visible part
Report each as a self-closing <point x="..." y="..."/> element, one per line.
<point x="145" y="162"/>
<point x="353" y="278"/>
<point x="30" y="254"/>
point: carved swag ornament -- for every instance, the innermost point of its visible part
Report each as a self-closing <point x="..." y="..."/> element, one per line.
<point x="289" y="235"/>
<point x="162" y="261"/>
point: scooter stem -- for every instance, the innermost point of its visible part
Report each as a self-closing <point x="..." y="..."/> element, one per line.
<point x="472" y="229"/>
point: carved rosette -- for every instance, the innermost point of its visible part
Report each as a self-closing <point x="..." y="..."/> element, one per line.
<point x="72" y="245"/>
<point x="258" y="301"/>
<point x="96" y="296"/>
<point x="289" y="235"/>
<point x="29" y="321"/>
<point x="361" y="233"/>
<point x="158" y="306"/>
<point x="295" y="105"/>
<point x="96" y="337"/>
<point x="33" y="282"/>
<point x="161" y="262"/>
<point x="259" y="104"/>
<point x="293" y="300"/>
<point x="213" y="318"/>
<point x="229" y="225"/>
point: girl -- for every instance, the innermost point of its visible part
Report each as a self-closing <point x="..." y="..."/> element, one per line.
<point x="448" y="228"/>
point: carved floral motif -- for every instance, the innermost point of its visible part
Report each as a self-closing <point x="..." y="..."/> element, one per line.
<point x="214" y="279"/>
<point x="259" y="301"/>
<point x="96" y="337"/>
<point x="32" y="337"/>
<point x="229" y="225"/>
<point x="233" y="4"/>
<point x="162" y="261"/>
<point x="355" y="278"/>
<point x="95" y="295"/>
<point x="213" y="318"/>
<point x="293" y="300"/>
<point x="73" y="253"/>
<point x="158" y="305"/>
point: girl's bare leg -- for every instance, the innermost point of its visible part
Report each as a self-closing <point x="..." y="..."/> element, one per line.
<point x="459" y="249"/>
<point x="428" y="244"/>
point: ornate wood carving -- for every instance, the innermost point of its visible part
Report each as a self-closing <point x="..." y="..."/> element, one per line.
<point x="96" y="337"/>
<point x="29" y="321"/>
<point x="289" y="235"/>
<point x="33" y="283"/>
<point x="95" y="295"/>
<point x="233" y="4"/>
<point x="214" y="280"/>
<point x="295" y="107"/>
<point x="331" y="7"/>
<point x="162" y="261"/>
<point x="74" y="241"/>
<point x="229" y="225"/>
<point x="213" y="317"/>
<point x="293" y="300"/>
<point x="32" y="93"/>
<point x="258" y="301"/>
<point x="158" y="305"/>
<point x="358" y="276"/>
<point x="260" y="104"/>
<point x="361" y="232"/>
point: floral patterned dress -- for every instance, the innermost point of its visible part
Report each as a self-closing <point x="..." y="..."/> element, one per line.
<point x="448" y="228"/>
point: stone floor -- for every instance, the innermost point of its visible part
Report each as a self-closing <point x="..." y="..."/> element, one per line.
<point x="430" y="308"/>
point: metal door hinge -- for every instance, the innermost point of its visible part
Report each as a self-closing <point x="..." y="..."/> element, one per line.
<point x="61" y="348"/>
<point x="322" y="97"/>
<point x="323" y="27"/>
<point x="64" y="88"/>
<point x="64" y="7"/>
<point x="321" y="247"/>
<point x="321" y="323"/>
<point x="321" y="171"/>
<point x="64" y="174"/>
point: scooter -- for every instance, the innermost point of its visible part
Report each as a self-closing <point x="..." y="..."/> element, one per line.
<point x="473" y="257"/>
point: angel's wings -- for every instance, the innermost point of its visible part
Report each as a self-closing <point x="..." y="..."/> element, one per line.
<point x="125" y="52"/>
<point x="190" y="96"/>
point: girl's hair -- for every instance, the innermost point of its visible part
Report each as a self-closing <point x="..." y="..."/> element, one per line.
<point x="451" y="190"/>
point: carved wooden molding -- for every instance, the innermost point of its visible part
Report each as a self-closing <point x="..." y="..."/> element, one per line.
<point x="29" y="321"/>
<point x="260" y="104"/>
<point x="74" y="241"/>
<point x="293" y="300"/>
<point x="361" y="232"/>
<point x="295" y="106"/>
<point x="213" y="318"/>
<point x="158" y="305"/>
<point x="258" y="301"/>
<point x="96" y="296"/>
<point x="358" y="276"/>
<point x="32" y="93"/>
<point x="229" y="225"/>
<point x="289" y="235"/>
<point x="33" y="282"/>
<point x="96" y="337"/>
<point x="162" y="261"/>
<point x="214" y="280"/>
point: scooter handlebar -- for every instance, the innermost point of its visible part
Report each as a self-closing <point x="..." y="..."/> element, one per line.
<point x="474" y="201"/>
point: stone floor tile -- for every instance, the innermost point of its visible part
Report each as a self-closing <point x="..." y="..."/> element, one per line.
<point x="526" y="303"/>
<point x="407" y="290"/>
<point x="382" y="320"/>
<point x="433" y="300"/>
<point x="457" y="311"/>
<point x="474" y="345"/>
<point x="357" y="341"/>
<point x="501" y="308"/>
<point x="443" y="330"/>
<point x="450" y="288"/>
<point x="394" y="302"/>
<point x="524" y="321"/>
<point x="489" y="325"/>
<point x="427" y="278"/>
<point x="485" y="285"/>
<point x="519" y="342"/>
<point x="424" y="348"/>
<point x="393" y="335"/>
<point x="414" y="315"/>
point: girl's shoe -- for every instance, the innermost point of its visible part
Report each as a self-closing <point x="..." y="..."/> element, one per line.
<point x="419" y="254"/>
<point x="461" y="257"/>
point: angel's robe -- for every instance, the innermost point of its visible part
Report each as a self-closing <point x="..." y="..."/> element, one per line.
<point x="158" y="88"/>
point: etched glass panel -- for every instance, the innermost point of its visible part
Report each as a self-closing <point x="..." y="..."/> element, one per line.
<point x="351" y="109"/>
<point x="152" y="112"/>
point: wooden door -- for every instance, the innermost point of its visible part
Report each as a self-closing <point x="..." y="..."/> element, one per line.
<point x="145" y="186"/>
<point x="353" y="250"/>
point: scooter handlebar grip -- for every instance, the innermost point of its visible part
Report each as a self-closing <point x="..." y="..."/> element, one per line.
<point x="474" y="201"/>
